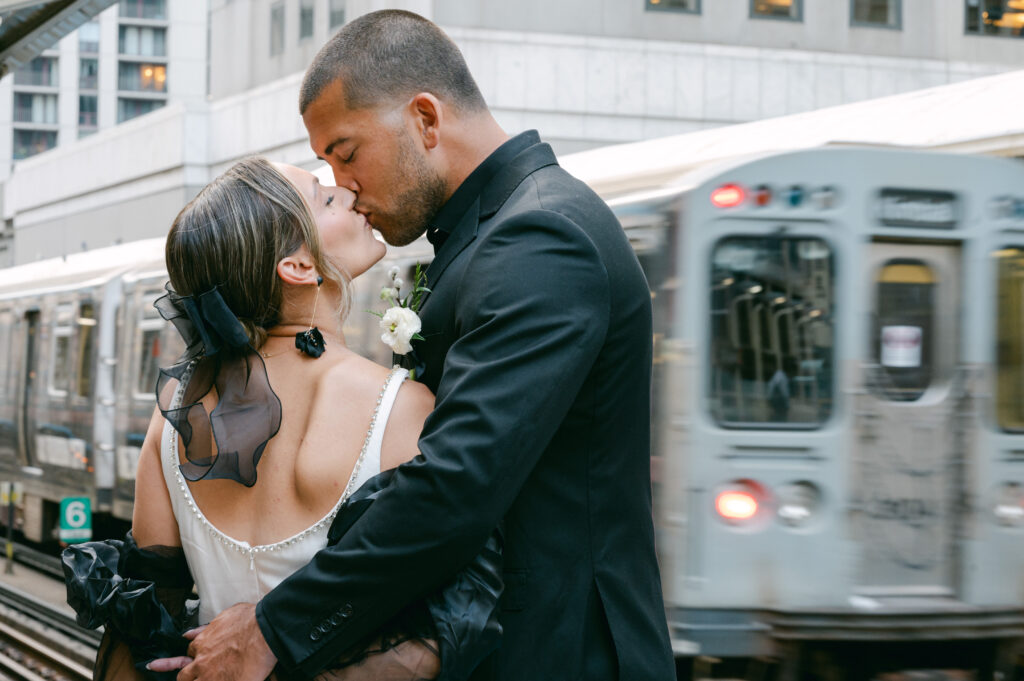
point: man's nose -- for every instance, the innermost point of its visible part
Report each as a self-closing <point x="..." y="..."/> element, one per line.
<point x="344" y="179"/>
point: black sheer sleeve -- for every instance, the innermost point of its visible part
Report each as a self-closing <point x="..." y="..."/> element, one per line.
<point x="138" y="594"/>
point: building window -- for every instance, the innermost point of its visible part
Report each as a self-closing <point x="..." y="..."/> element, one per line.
<point x="675" y="5"/>
<point x="337" y="14"/>
<point x="32" y="108"/>
<point x="143" y="9"/>
<point x="128" y="109"/>
<point x="306" y="19"/>
<point x="30" y="142"/>
<point x="89" y="38"/>
<point x="88" y="74"/>
<point x="777" y="9"/>
<point x="277" y="29"/>
<point x="40" y="71"/>
<point x="995" y="17"/>
<point x="142" y="41"/>
<point x="142" y="77"/>
<point x="881" y="13"/>
<point x="87" y="106"/>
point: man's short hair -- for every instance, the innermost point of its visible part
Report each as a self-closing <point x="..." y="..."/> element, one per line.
<point x="387" y="55"/>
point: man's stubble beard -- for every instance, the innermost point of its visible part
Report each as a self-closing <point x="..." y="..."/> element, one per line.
<point x="424" y="193"/>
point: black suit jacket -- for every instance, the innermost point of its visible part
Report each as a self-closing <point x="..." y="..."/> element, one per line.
<point x="538" y="347"/>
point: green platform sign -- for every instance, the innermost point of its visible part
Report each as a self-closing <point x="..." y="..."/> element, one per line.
<point x="75" y="520"/>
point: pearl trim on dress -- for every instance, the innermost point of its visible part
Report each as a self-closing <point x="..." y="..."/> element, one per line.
<point x="244" y="547"/>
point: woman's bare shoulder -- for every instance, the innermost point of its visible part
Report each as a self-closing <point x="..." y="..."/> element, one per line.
<point x="351" y="376"/>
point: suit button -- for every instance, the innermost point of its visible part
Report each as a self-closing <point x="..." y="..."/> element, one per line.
<point x="315" y="635"/>
<point x="324" y="628"/>
<point x="345" y="611"/>
<point x="336" y="619"/>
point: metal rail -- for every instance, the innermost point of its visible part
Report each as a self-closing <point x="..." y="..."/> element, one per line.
<point x="39" y="642"/>
<point x="39" y="561"/>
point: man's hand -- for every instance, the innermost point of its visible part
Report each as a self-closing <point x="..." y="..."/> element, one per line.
<point x="230" y="648"/>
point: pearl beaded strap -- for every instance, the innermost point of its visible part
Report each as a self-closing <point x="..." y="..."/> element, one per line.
<point x="244" y="547"/>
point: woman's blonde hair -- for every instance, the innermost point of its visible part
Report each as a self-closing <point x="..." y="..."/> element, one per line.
<point x="233" y="234"/>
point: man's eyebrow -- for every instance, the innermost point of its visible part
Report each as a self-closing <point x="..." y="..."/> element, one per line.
<point x="330" y="147"/>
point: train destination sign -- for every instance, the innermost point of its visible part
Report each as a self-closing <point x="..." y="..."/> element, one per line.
<point x="916" y="208"/>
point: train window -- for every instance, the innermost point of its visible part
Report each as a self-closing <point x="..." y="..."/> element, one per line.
<point x="903" y="329"/>
<point x="86" y="323"/>
<point x="149" y="348"/>
<point x="60" y="364"/>
<point x="771" y="343"/>
<point x="158" y="345"/>
<point x="1010" y="339"/>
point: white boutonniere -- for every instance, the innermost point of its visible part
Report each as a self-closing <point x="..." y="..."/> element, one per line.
<point x="400" y="323"/>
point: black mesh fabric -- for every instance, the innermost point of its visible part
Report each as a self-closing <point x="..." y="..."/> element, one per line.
<point x="218" y="356"/>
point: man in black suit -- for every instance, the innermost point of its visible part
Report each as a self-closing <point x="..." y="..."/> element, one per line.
<point x="538" y="347"/>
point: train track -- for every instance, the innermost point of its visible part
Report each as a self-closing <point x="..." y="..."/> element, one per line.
<point x="39" y="643"/>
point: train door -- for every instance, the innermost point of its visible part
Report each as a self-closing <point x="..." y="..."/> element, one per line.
<point x="25" y="414"/>
<point x="908" y="453"/>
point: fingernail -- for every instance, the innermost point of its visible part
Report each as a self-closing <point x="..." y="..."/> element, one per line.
<point x="148" y="667"/>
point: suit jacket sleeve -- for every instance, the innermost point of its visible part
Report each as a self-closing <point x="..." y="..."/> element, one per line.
<point x="532" y="314"/>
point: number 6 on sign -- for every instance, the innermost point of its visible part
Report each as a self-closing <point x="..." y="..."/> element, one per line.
<point x="75" y="519"/>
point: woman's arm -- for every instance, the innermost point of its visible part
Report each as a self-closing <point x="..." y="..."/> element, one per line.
<point x="153" y="522"/>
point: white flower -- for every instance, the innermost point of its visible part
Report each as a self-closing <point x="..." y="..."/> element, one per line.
<point x="389" y="294"/>
<point x="399" y="325"/>
<point x="399" y="282"/>
<point x="393" y="272"/>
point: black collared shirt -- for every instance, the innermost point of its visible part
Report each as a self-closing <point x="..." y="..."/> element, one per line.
<point x="456" y="206"/>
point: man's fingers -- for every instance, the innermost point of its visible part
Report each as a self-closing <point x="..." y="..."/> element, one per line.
<point x="168" y="664"/>
<point x="188" y="673"/>
<point x="192" y="633"/>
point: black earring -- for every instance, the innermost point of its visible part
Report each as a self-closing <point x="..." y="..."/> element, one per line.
<point x="311" y="341"/>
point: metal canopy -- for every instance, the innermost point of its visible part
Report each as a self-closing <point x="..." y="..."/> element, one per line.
<point x="27" y="27"/>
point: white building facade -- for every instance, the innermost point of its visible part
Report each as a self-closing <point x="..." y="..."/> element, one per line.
<point x="583" y="72"/>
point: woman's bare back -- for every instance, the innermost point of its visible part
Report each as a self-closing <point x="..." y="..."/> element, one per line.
<point x="327" y="408"/>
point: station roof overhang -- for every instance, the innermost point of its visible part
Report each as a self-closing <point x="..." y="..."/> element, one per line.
<point x="27" y="27"/>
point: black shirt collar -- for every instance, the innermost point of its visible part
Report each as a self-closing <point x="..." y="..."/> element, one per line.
<point x="471" y="188"/>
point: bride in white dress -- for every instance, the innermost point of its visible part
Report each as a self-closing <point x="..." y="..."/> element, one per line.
<point x="342" y="418"/>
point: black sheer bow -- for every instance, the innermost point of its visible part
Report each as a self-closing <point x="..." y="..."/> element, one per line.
<point x="218" y="356"/>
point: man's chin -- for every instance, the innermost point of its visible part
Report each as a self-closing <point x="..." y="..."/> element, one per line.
<point x="399" y="237"/>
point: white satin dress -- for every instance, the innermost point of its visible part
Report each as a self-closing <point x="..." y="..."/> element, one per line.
<point x="229" y="571"/>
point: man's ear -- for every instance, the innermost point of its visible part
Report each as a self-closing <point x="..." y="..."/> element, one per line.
<point x="427" y="115"/>
<point x="297" y="269"/>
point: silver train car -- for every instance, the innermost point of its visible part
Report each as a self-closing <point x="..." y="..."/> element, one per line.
<point x="838" y="452"/>
<point x="839" y="423"/>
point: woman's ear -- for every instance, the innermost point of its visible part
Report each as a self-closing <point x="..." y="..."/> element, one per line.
<point x="297" y="269"/>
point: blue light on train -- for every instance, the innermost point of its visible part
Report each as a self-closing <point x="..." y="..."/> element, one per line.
<point x="795" y="195"/>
